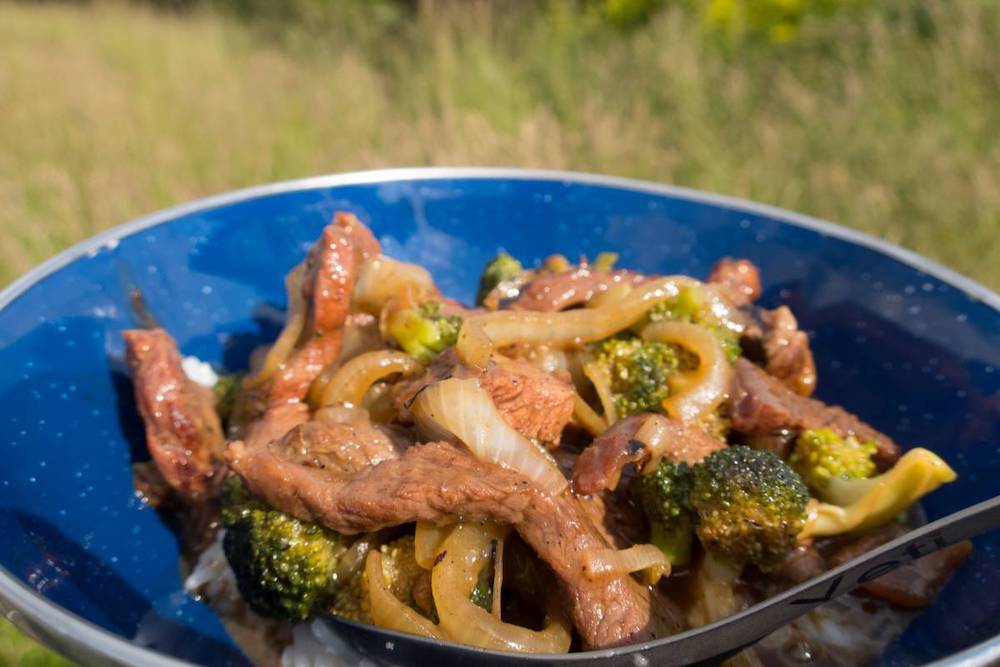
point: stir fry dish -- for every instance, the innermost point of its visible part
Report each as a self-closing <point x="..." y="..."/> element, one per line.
<point x="589" y="457"/>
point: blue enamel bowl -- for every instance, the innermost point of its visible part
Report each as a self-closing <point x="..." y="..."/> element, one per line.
<point x="909" y="345"/>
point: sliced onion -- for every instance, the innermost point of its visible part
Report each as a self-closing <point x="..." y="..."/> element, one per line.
<point x="587" y="418"/>
<point x="481" y="334"/>
<point x="653" y="434"/>
<point x="497" y="578"/>
<point x="382" y="278"/>
<point x="693" y="395"/>
<point x="875" y="500"/>
<point x="611" y="562"/>
<point x="360" y="335"/>
<point x="713" y="590"/>
<point x="295" y="322"/>
<point x="613" y="294"/>
<point x="427" y="541"/>
<point x="601" y="379"/>
<point x="349" y="385"/>
<point x="387" y="610"/>
<point x="460" y="408"/>
<point x="466" y="552"/>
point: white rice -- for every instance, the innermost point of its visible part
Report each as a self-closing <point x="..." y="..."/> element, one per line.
<point x="199" y="371"/>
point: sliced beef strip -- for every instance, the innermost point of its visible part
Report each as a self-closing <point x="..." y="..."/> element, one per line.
<point x="600" y="465"/>
<point x="331" y="271"/>
<point x="739" y="277"/>
<point x="183" y="432"/>
<point x="772" y="339"/>
<point x="786" y="351"/>
<point x="537" y="404"/>
<point x="760" y="405"/>
<point x="551" y="292"/>
<point x="913" y="585"/>
<point x="440" y="483"/>
<point x="341" y="447"/>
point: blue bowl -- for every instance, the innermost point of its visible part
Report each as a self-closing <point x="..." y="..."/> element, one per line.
<point x="909" y="345"/>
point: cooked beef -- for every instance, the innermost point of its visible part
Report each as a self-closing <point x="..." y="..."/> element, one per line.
<point x="801" y="564"/>
<point x="293" y="378"/>
<point x="275" y="423"/>
<point x="343" y="447"/>
<point x="557" y="291"/>
<point x="913" y="585"/>
<point x="537" y="404"/>
<point x="786" y="351"/>
<point x="739" y="277"/>
<point x="183" y="432"/>
<point x="760" y="405"/>
<point x="619" y="522"/>
<point x="331" y="270"/>
<point x="600" y="465"/>
<point x="152" y="488"/>
<point x="441" y="483"/>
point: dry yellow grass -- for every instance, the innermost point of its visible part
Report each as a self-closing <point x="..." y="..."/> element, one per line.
<point x="108" y="112"/>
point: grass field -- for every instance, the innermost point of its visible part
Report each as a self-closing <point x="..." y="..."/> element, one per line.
<point x="887" y="120"/>
<point x="875" y="120"/>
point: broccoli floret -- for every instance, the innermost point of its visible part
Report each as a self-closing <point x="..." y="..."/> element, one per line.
<point x="691" y="305"/>
<point x="664" y="495"/>
<point x="499" y="269"/>
<point x="751" y="505"/>
<point x="638" y="370"/>
<point x="225" y="394"/>
<point x="424" y="331"/>
<point x="822" y="455"/>
<point x="284" y="567"/>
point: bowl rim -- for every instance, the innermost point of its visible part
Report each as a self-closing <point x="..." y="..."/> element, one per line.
<point x="36" y="615"/>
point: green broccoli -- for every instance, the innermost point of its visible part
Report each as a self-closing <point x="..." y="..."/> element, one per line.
<point x="692" y="305"/>
<point x="501" y="268"/>
<point x="638" y="370"/>
<point x="285" y="568"/>
<point x="751" y="505"/>
<point x="664" y="495"/>
<point x="822" y="455"/>
<point x="424" y="331"/>
<point x="225" y="390"/>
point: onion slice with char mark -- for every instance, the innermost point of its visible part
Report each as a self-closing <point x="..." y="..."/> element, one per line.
<point x="612" y="562"/>
<point x="460" y="408"/>
<point x="387" y="610"/>
<point x="427" y="541"/>
<point x="464" y="554"/>
<point x="295" y="322"/>
<point x="482" y="334"/>
<point x="696" y="393"/>
<point x="351" y="382"/>
<point x="601" y="379"/>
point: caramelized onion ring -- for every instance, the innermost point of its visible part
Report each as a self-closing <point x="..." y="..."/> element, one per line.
<point x="481" y="334"/>
<point x="295" y="322"/>
<point x="693" y="395"/>
<point x="464" y="554"/>
<point x="611" y="562"/>
<point x="351" y="382"/>
<point x="387" y="610"/>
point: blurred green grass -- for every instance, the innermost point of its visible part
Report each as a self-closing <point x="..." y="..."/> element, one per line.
<point x="885" y="118"/>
